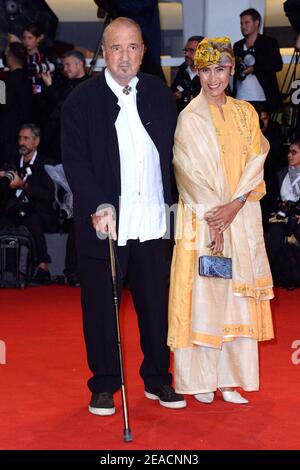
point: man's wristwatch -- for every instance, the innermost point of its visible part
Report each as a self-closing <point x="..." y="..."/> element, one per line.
<point x="242" y="199"/>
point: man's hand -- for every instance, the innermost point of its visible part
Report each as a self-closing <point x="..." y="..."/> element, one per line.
<point x="47" y="78"/>
<point x="249" y="70"/>
<point x="104" y="221"/>
<point x="220" y="217"/>
<point x="177" y="95"/>
<point x="12" y="38"/>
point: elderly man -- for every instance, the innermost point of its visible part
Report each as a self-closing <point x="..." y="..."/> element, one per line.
<point x="117" y="137"/>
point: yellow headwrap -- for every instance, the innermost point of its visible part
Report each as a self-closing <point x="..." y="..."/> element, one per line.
<point x="213" y="51"/>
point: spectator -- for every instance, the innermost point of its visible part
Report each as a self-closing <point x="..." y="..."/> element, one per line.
<point x="274" y="161"/>
<point x="286" y="222"/>
<point x="32" y="38"/>
<point x="18" y="100"/>
<point x="31" y="199"/>
<point x="186" y="84"/>
<point x="57" y="91"/>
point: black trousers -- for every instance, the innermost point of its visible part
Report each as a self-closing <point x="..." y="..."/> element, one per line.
<point x="146" y="267"/>
<point x="71" y="264"/>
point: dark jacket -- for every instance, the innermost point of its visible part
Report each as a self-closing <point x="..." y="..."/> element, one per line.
<point x="90" y="150"/>
<point x="39" y="189"/>
<point x="268" y="61"/>
<point x="55" y="96"/>
<point x="17" y="109"/>
<point x="191" y="87"/>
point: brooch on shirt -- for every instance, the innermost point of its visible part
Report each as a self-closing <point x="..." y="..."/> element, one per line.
<point x="127" y="89"/>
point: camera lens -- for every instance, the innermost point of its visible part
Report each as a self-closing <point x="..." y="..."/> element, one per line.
<point x="9" y="175"/>
<point x="42" y="67"/>
<point x="11" y="7"/>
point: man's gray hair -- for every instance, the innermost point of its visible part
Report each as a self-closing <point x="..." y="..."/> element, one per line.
<point x="76" y="54"/>
<point x="36" y="131"/>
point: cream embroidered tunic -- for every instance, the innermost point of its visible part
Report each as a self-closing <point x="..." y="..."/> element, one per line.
<point x="215" y="161"/>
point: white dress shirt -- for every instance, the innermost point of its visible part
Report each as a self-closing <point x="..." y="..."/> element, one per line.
<point x="142" y="212"/>
<point x="28" y="171"/>
<point x="249" y="89"/>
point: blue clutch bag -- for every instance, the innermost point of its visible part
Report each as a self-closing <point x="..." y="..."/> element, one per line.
<point x="215" y="266"/>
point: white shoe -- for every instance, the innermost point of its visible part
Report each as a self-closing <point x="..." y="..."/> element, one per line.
<point x="205" y="397"/>
<point x="232" y="396"/>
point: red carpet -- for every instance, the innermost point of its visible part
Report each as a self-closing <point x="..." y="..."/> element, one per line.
<point x="44" y="396"/>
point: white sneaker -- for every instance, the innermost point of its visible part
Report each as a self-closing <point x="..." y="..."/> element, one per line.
<point x="232" y="396"/>
<point x="205" y="397"/>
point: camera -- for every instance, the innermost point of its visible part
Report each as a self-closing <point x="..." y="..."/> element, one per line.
<point x="36" y="68"/>
<point x="12" y="9"/>
<point x="289" y="210"/>
<point x="8" y="177"/>
<point x="247" y="60"/>
<point x="285" y="209"/>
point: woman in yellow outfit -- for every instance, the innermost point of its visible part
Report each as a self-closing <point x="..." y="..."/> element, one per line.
<point x="214" y="323"/>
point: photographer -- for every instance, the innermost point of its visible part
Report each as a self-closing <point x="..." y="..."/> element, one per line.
<point x="57" y="91"/>
<point x="285" y="222"/>
<point x="30" y="198"/>
<point x="276" y="159"/>
<point x="257" y="61"/>
<point x="18" y="100"/>
<point x="186" y="84"/>
<point x="32" y="38"/>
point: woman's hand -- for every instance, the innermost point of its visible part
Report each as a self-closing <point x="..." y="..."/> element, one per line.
<point x="217" y="241"/>
<point x="220" y="217"/>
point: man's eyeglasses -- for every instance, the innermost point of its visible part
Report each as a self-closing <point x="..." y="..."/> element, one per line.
<point x="188" y="49"/>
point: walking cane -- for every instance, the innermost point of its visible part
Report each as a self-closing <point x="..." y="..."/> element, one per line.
<point x="127" y="432"/>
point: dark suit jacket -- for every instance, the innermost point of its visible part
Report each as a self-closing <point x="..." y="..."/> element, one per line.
<point x="268" y="61"/>
<point x="39" y="188"/>
<point x="191" y="87"/>
<point x="90" y="148"/>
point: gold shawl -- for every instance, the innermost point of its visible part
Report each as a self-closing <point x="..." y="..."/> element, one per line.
<point x="197" y="304"/>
